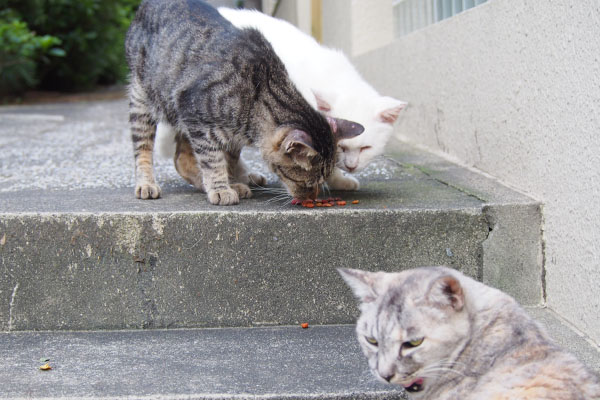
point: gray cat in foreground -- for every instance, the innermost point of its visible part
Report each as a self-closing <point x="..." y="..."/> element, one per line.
<point x="221" y="88"/>
<point x="442" y="335"/>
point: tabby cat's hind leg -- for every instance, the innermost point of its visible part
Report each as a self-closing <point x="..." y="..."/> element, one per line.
<point x="186" y="163"/>
<point x="143" y="130"/>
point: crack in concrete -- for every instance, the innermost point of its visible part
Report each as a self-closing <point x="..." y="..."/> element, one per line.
<point x="430" y="175"/>
<point x="13" y="297"/>
<point x="544" y="260"/>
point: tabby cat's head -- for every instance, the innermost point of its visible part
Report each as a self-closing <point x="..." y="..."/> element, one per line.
<point x="411" y="323"/>
<point x="304" y="161"/>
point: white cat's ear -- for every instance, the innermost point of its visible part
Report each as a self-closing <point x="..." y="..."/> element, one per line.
<point x="299" y="145"/>
<point x="322" y="105"/>
<point x="344" y="129"/>
<point x="362" y="283"/>
<point x="389" y="109"/>
<point x="447" y="292"/>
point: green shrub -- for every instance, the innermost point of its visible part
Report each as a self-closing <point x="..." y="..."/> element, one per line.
<point x="91" y="33"/>
<point x="21" y="51"/>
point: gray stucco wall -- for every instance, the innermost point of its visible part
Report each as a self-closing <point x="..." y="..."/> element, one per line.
<point x="512" y="88"/>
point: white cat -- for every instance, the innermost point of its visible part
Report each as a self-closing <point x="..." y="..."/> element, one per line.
<point x="330" y="83"/>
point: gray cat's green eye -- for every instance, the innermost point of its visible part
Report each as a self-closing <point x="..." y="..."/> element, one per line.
<point x="413" y="343"/>
<point x="371" y="340"/>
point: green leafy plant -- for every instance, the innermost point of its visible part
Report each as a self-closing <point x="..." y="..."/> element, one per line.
<point x="91" y="34"/>
<point x="21" y="51"/>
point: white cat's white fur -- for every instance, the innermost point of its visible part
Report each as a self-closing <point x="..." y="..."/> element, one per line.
<point x="329" y="82"/>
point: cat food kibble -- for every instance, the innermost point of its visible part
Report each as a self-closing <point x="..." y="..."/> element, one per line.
<point x="329" y="202"/>
<point x="46" y="367"/>
<point x="304" y="325"/>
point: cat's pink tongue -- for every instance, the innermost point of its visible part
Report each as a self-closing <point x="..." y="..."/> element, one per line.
<point x="418" y="381"/>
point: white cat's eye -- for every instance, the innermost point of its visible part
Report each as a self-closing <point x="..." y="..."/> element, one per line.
<point x="413" y="343"/>
<point x="365" y="148"/>
<point x="371" y="340"/>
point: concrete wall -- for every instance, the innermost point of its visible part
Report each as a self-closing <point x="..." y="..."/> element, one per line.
<point x="512" y="88"/>
<point x="357" y="26"/>
<point x="297" y="12"/>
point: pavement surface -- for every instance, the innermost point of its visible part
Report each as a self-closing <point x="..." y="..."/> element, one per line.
<point x="79" y="252"/>
<point x="70" y="224"/>
<point x="258" y="363"/>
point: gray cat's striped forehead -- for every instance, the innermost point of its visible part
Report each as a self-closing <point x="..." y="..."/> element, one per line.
<point x="401" y="295"/>
<point x="412" y="284"/>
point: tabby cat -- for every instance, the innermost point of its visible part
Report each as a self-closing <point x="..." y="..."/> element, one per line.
<point x="221" y="88"/>
<point x="442" y="335"/>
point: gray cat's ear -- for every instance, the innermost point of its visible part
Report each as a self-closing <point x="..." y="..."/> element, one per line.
<point x="344" y="129"/>
<point x="389" y="109"/>
<point x="362" y="283"/>
<point x="447" y="292"/>
<point x="299" y="145"/>
<point x="322" y="105"/>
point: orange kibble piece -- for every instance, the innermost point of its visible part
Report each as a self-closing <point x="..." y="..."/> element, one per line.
<point x="308" y="205"/>
<point x="327" y="204"/>
<point x="341" y="203"/>
<point x="355" y="201"/>
<point x="304" y="325"/>
<point x="46" y="367"/>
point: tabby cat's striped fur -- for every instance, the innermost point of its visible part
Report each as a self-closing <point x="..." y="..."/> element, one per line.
<point x="221" y="88"/>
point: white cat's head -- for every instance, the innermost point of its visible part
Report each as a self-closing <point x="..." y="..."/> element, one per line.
<point x="377" y="115"/>
<point x="411" y="323"/>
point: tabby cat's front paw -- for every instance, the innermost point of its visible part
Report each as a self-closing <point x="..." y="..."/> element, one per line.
<point x="147" y="191"/>
<point x="223" y="197"/>
<point x="242" y="190"/>
<point x="340" y="181"/>
<point x="256" y="179"/>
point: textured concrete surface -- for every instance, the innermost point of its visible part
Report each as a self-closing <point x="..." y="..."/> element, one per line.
<point x="258" y="363"/>
<point x="78" y="251"/>
<point x="321" y="362"/>
<point x="500" y="88"/>
<point x="513" y="247"/>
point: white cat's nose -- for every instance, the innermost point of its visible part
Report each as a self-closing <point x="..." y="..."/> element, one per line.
<point x="350" y="169"/>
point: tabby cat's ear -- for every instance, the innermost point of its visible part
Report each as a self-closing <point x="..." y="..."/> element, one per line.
<point x="389" y="109"/>
<point x="299" y="145"/>
<point x="362" y="283"/>
<point x="344" y="129"/>
<point x="447" y="292"/>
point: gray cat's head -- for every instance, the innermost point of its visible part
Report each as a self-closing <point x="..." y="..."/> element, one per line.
<point x="303" y="160"/>
<point x="412" y="323"/>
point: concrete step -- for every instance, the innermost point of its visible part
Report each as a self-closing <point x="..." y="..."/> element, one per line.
<point x="79" y="252"/>
<point x="321" y="362"/>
